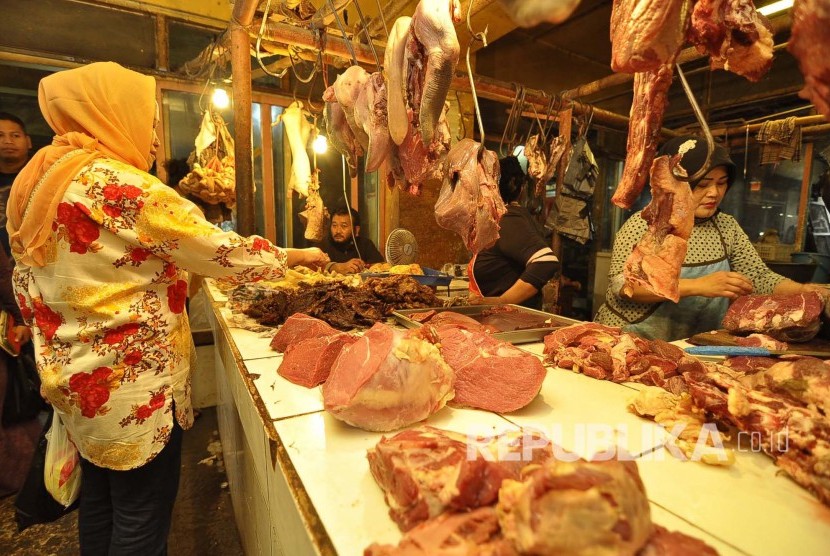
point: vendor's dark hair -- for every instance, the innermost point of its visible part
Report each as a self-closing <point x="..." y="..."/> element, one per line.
<point x="15" y="119"/>
<point x="342" y="210"/>
<point x="512" y="179"/>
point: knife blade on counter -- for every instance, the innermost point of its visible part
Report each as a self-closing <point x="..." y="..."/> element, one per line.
<point x="734" y="351"/>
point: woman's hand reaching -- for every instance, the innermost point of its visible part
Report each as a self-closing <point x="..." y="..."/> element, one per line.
<point x="721" y="284"/>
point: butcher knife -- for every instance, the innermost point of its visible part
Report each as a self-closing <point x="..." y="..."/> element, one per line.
<point x="734" y="351"/>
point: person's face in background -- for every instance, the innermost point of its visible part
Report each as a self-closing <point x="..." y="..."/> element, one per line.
<point x="156" y="142"/>
<point x="14" y="143"/>
<point x="341" y="228"/>
<point x="709" y="192"/>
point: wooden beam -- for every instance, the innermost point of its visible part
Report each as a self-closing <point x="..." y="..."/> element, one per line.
<point x="268" y="193"/>
<point x="162" y="47"/>
<point x="804" y="199"/>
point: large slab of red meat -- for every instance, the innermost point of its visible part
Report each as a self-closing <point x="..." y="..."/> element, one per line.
<point x="809" y="43"/>
<point x="452" y="534"/>
<point x="788" y="318"/>
<point x="646" y="34"/>
<point x="489" y="373"/>
<point x="656" y="260"/>
<point x="674" y="543"/>
<point x="577" y="507"/>
<point x="387" y="380"/>
<point x="426" y="471"/>
<point x="735" y="35"/>
<point x="646" y="119"/>
<point x="300" y="327"/>
<point x="309" y="362"/>
<point x="440" y="318"/>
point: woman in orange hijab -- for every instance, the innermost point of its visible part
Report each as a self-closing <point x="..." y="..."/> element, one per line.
<point x="102" y="252"/>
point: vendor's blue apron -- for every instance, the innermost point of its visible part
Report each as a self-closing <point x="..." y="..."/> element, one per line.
<point x="691" y="315"/>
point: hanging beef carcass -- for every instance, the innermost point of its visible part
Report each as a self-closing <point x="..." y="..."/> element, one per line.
<point x="810" y="43"/>
<point x="340" y="135"/>
<point x="646" y="118"/>
<point x="387" y="380"/>
<point x="347" y="89"/>
<point x="298" y="131"/>
<point x="529" y="13"/>
<point x="657" y="258"/>
<point x="647" y="34"/>
<point x="414" y="163"/>
<point x="432" y="52"/>
<point x="735" y="35"/>
<point x="370" y="115"/>
<point x="469" y="203"/>
<point x="393" y="70"/>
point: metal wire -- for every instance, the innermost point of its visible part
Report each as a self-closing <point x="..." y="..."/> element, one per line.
<point x="707" y="133"/>
<point x="366" y="32"/>
<point x="259" y="43"/>
<point x="343" y="32"/>
<point x="483" y="38"/>
<point x="382" y="18"/>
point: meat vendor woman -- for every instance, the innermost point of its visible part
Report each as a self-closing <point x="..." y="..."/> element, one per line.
<point x="721" y="263"/>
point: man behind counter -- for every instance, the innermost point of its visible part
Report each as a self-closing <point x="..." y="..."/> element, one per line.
<point x="344" y="234"/>
<point x="15" y="145"/>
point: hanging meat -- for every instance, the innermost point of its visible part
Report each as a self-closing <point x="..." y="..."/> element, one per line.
<point x="339" y="133"/>
<point x="469" y="203"/>
<point x="735" y="35"/>
<point x="543" y="159"/>
<point x="529" y="13"/>
<point x="387" y="380"/>
<point x="650" y="99"/>
<point x="657" y="258"/>
<point x="298" y="131"/>
<point x="393" y="69"/>
<point x="432" y="52"/>
<point x="370" y="116"/>
<point x="315" y="216"/>
<point x="646" y="34"/>
<point x="810" y="43"/>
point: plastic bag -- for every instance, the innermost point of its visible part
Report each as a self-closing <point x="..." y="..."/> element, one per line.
<point x="62" y="469"/>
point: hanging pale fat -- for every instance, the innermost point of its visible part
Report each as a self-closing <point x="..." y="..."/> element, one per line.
<point x="207" y="134"/>
<point x="298" y="131"/>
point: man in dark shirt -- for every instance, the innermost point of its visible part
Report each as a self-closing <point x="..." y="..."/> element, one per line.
<point x="15" y="144"/>
<point x="349" y="253"/>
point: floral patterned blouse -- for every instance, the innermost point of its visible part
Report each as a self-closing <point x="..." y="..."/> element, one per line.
<point x="108" y="309"/>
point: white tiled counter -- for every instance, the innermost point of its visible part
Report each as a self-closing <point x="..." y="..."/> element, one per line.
<point x="300" y="481"/>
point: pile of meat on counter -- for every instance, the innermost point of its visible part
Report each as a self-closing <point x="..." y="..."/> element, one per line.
<point x="783" y="401"/>
<point x="513" y="494"/>
<point x="389" y="378"/>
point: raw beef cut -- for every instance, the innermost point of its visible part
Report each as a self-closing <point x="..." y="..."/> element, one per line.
<point x="393" y="70"/>
<point x="370" y="115"/>
<point x="809" y="43"/>
<point x="426" y="471"/>
<point x="657" y="258"/>
<point x="489" y="373"/>
<point x="647" y="34"/>
<point x="387" y="380"/>
<point x="435" y="318"/>
<point x="469" y="203"/>
<point x="646" y="119"/>
<point x="580" y="507"/>
<point x="789" y="318"/>
<point x="309" y="361"/>
<point x="762" y="340"/>
<point x="299" y="327"/>
<point x="749" y="364"/>
<point x="315" y="216"/>
<point x="735" y="35"/>
<point x="674" y="543"/>
<point x="529" y="13"/>
<point x="474" y="533"/>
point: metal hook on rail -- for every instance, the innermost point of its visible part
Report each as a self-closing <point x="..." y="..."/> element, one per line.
<point x="707" y="133"/>
<point x="512" y="124"/>
<point x="482" y="36"/>
<point x="366" y="33"/>
<point x="262" y="66"/>
<point x="343" y="32"/>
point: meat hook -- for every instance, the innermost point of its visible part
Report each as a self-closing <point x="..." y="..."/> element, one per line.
<point x="511" y="126"/>
<point x="482" y="36"/>
<point x="382" y="18"/>
<point x="262" y="66"/>
<point x="366" y="32"/>
<point x="343" y="32"/>
<point x="707" y="133"/>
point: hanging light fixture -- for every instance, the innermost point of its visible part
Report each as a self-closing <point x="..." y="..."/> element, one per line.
<point x="220" y="98"/>
<point x="320" y="144"/>
<point x="776" y="7"/>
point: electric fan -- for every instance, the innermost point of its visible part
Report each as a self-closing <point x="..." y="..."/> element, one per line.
<point x="401" y="247"/>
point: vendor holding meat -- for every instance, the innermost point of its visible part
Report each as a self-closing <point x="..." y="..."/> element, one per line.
<point x="349" y="253"/>
<point x="520" y="263"/>
<point x="721" y="263"/>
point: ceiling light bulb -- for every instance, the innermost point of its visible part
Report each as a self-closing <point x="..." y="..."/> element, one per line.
<point x="320" y="144"/>
<point x="776" y="7"/>
<point x="220" y="98"/>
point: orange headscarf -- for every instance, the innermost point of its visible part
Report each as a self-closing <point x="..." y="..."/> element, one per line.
<point x="99" y="110"/>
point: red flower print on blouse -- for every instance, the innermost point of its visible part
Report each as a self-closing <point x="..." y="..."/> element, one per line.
<point x="176" y="295"/>
<point x="260" y="244"/>
<point x="92" y="388"/>
<point x="139" y="255"/>
<point x="47" y="320"/>
<point x="133" y="358"/>
<point x="114" y="192"/>
<point x="143" y="412"/>
<point x="117" y="335"/>
<point x="25" y="310"/>
<point x="78" y="229"/>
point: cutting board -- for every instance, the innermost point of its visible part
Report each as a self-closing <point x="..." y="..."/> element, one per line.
<point x="724" y="338"/>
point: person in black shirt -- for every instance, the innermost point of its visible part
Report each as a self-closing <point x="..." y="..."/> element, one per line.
<point x="520" y="263"/>
<point x="15" y="145"/>
<point x="349" y="253"/>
